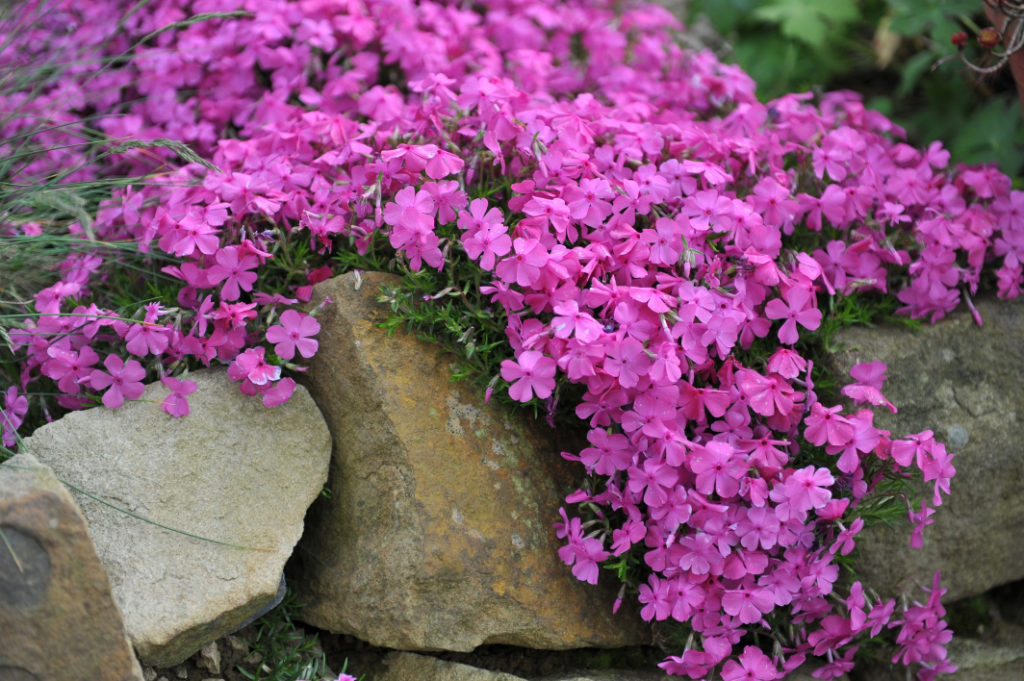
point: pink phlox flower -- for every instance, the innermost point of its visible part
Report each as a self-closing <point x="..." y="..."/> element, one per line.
<point x="448" y="197"/>
<point x="411" y="215"/>
<point x="121" y="380"/>
<point x="68" y="368"/>
<point x="759" y="527"/>
<point x="751" y="665"/>
<point x="654" y="479"/>
<point x="524" y="266"/>
<point x="571" y="321"/>
<point x="827" y="425"/>
<point x="176" y="403"/>
<point x="609" y="453"/>
<point x="12" y="415"/>
<point x="234" y="271"/>
<point x="627" y="361"/>
<point x="797" y="308"/>
<point x="920" y="520"/>
<point x="148" y="336"/>
<point x="294" y="333"/>
<point x="582" y="553"/>
<point x="531" y="373"/>
<point x="787" y="363"/>
<point x="844" y="543"/>
<point x="718" y="467"/>
<point x="279" y="392"/>
<point x="765" y="454"/>
<point x="748" y="604"/>
<point x="251" y="364"/>
<point x="808" y="488"/>
<point x="485" y="236"/>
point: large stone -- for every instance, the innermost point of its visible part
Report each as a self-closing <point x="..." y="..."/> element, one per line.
<point x="233" y="471"/>
<point x="57" y="615"/>
<point x="964" y="383"/>
<point x="438" y="534"/>
<point x="399" y="666"/>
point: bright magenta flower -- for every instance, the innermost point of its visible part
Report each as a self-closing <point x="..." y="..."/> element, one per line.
<point x="176" y="403"/>
<point x="531" y="373"/>
<point x="122" y="380"/>
<point x="294" y="333"/>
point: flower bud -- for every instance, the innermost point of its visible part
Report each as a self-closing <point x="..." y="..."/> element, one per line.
<point x="989" y="38"/>
<point x="959" y="39"/>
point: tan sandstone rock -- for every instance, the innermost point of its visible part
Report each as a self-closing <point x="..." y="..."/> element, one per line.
<point x="58" y="618"/>
<point x="438" y="533"/>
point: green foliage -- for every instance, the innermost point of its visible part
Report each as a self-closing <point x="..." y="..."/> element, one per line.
<point x="895" y="52"/>
<point x="286" y="652"/>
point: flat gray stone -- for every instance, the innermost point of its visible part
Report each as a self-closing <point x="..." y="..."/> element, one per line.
<point x="233" y="471"/>
<point x="965" y="384"/>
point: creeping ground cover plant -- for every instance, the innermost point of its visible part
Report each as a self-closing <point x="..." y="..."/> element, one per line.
<point x="635" y="239"/>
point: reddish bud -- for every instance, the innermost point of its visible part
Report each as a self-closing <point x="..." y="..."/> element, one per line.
<point x="959" y="38"/>
<point x="989" y="38"/>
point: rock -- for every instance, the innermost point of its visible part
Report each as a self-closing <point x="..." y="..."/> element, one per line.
<point x="57" y="614"/>
<point x="209" y="658"/>
<point x="400" y="666"/>
<point x="987" y="661"/>
<point x="608" y="675"/>
<point x="232" y="471"/>
<point x="964" y="383"/>
<point x="438" y="534"/>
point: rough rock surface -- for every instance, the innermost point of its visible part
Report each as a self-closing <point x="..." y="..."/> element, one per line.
<point x="58" y="618"/>
<point x="964" y="383"/>
<point x="232" y="471"/>
<point x="400" y="666"/>
<point x="438" y="535"/>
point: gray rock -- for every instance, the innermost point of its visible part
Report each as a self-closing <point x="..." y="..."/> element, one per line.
<point x="400" y="666"/>
<point x="964" y="383"/>
<point x="57" y="614"/>
<point x="438" y="535"/>
<point x="232" y="471"/>
<point x="987" y="661"/>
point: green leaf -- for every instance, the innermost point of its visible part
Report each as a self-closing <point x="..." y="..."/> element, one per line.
<point x="808" y="22"/>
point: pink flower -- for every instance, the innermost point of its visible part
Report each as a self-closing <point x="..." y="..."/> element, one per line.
<point x="252" y="365"/>
<point x="124" y="380"/>
<point x="532" y="373"/>
<point x="798" y="308"/>
<point x="294" y="334"/>
<point x="176" y="403"/>
<point x="808" y="488"/>
<point x="12" y="415"/>
<point x="753" y="665"/>
<point x="233" y="271"/>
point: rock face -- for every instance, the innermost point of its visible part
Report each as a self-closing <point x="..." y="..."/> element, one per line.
<point x="411" y="667"/>
<point x="964" y="383"/>
<point x="57" y="614"/>
<point x="233" y="471"/>
<point x="438" y="533"/>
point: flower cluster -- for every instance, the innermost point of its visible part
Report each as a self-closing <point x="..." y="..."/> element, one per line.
<point x="636" y="214"/>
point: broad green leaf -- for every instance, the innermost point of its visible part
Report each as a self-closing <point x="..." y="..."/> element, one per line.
<point x="808" y="22"/>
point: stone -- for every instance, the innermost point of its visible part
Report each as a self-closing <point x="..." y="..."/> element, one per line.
<point x="401" y="666"/>
<point x="209" y="658"/>
<point x="438" y="534"/>
<point x="57" y="614"/>
<point x="979" y="660"/>
<point x="232" y="471"/>
<point x="608" y="675"/>
<point x="963" y="383"/>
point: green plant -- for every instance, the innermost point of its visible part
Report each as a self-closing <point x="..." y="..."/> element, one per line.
<point x="896" y="52"/>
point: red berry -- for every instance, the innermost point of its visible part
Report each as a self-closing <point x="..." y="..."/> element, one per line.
<point x="989" y="38"/>
<point x="959" y="38"/>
